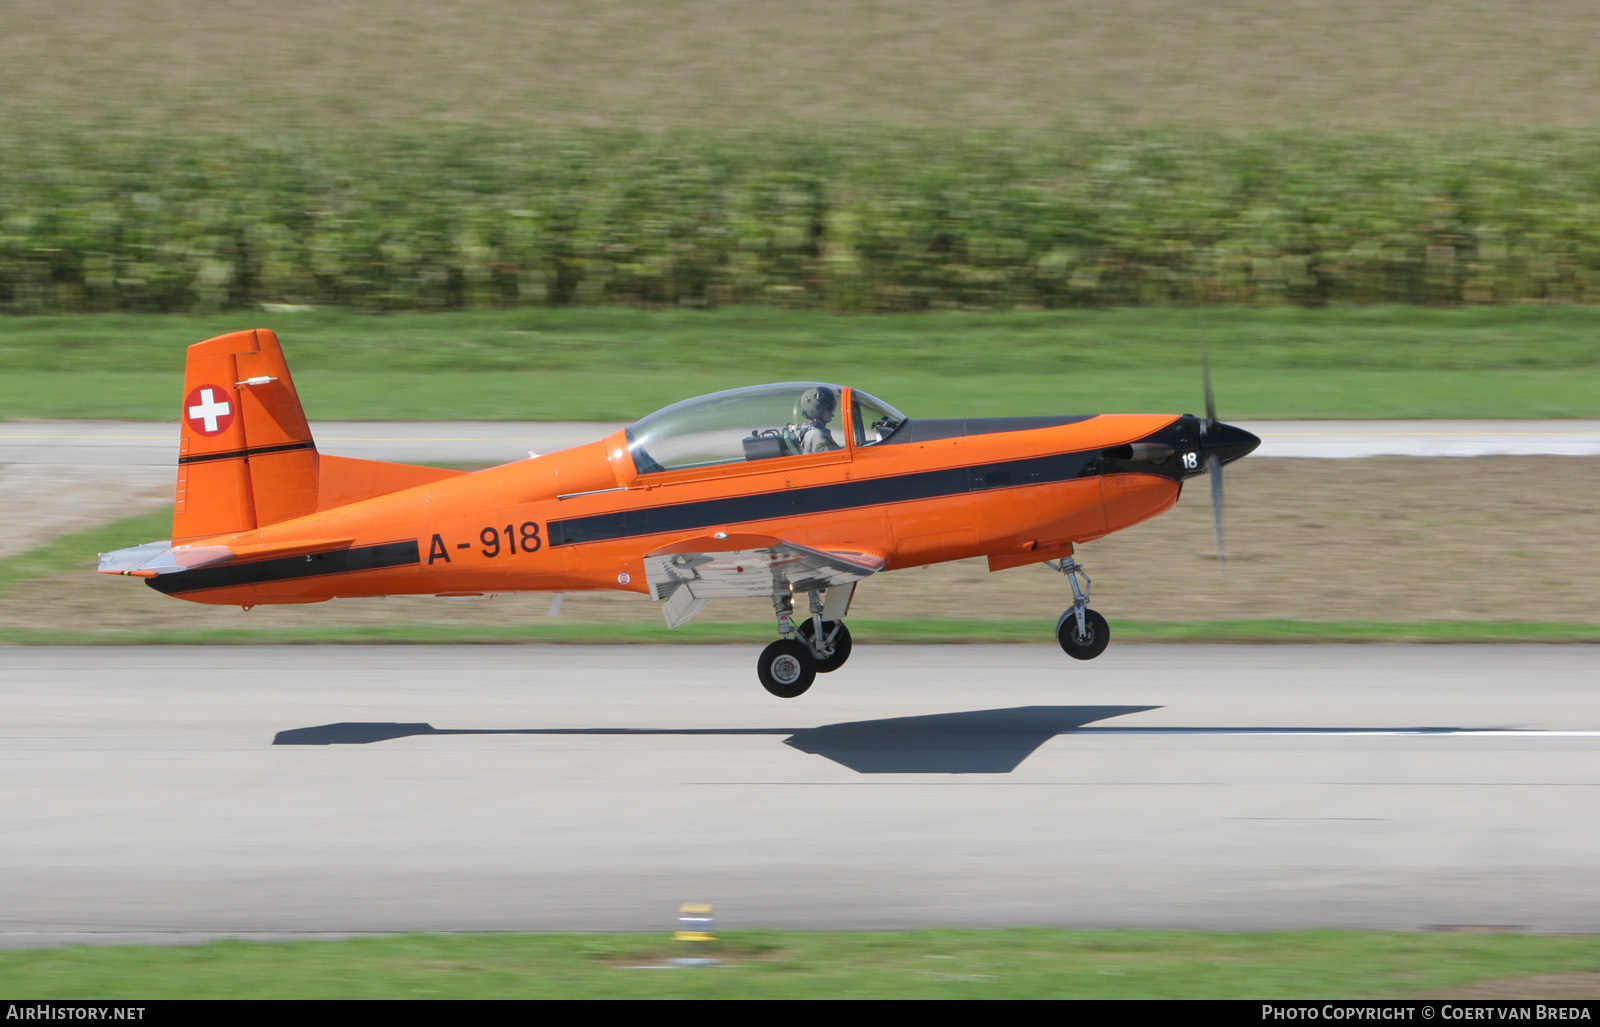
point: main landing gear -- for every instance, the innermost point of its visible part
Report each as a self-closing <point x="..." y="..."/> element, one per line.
<point x="788" y="666"/>
<point x="1082" y="632"/>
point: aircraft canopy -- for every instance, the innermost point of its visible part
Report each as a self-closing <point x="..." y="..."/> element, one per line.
<point x="756" y="423"/>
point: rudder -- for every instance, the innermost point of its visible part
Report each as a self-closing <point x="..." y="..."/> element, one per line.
<point x="246" y="457"/>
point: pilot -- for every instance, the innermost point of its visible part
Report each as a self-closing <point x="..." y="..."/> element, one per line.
<point x="817" y="406"/>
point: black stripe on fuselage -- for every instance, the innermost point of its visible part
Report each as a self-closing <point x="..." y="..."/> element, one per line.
<point x="287" y="568"/>
<point x="844" y="495"/>
<point x="234" y="454"/>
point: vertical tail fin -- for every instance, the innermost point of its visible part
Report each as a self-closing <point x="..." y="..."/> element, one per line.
<point x="246" y="457"/>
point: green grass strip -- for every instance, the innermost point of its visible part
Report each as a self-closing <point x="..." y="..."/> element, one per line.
<point x="652" y="632"/>
<point x="932" y="964"/>
<point x="78" y="551"/>
<point x="608" y="364"/>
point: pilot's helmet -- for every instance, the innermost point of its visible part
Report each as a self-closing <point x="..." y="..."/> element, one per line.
<point x="818" y="403"/>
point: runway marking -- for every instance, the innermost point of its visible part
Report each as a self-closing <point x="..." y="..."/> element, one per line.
<point x="93" y="438"/>
<point x="1096" y="783"/>
<point x="1468" y="434"/>
<point x="892" y="731"/>
<point x="973" y="742"/>
<point x="1350" y="731"/>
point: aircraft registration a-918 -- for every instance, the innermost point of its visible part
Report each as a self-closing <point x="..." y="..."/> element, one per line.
<point x="793" y="492"/>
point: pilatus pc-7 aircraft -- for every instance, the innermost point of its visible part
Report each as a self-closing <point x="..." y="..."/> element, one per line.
<point x="795" y="492"/>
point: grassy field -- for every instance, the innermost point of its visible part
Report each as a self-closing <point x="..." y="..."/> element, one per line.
<point x="1358" y="550"/>
<point x="942" y="964"/>
<point x="618" y="364"/>
<point x="310" y="68"/>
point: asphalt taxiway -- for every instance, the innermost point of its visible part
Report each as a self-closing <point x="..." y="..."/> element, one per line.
<point x="165" y="793"/>
<point x="132" y="444"/>
<point x="57" y="476"/>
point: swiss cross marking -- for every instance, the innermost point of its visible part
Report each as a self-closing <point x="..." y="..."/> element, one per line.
<point x="206" y="411"/>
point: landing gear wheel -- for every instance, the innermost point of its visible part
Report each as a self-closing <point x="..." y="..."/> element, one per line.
<point x="787" y="668"/>
<point x="841" y="644"/>
<point x="1093" y="642"/>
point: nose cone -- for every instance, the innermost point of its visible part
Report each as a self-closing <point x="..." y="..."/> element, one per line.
<point x="1227" y="443"/>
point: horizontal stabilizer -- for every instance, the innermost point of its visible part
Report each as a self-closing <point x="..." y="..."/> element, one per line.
<point x="156" y="558"/>
<point x="344" y="479"/>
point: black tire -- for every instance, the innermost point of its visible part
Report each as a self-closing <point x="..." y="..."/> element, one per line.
<point x="841" y="644"/>
<point x="1086" y="647"/>
<point x="786" y="668"/>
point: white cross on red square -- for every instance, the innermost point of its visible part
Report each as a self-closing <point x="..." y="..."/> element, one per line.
<point x="206" y="412"/>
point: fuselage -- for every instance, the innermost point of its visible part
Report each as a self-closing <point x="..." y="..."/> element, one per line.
<point x="1017" y="490"/>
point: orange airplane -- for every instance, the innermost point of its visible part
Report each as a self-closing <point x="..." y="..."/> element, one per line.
<point x="800" y="489"/>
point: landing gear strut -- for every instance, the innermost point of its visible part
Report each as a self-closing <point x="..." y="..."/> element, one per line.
<point x="1082" y="633"/>
<point x="788" y="666"/>
<point x="834" y="635"/>
<point x="829" y="639"/>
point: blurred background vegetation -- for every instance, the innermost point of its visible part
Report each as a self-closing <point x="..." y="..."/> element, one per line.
<point x="190" y="156"/>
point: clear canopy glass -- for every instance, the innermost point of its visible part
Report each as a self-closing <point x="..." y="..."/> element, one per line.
<point x="874" y="419"/>
<point x="761" y="422"/>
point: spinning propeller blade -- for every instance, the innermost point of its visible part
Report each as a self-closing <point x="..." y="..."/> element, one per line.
<point x="1209" y="433"/>
<point x="1214" y="468"/>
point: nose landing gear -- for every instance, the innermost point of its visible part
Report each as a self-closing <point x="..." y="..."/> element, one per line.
<point x="1082" y="633"/>
<point x="1083" y="643"/>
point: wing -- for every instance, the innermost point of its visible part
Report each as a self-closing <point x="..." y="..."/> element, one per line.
<point x="691" y="573"/>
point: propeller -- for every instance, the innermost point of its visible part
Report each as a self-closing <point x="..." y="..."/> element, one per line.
<point x="1208" y="430"/>
<point x="1219" y="444"/>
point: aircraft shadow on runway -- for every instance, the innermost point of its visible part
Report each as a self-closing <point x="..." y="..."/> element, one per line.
<point x="975" y="742"/>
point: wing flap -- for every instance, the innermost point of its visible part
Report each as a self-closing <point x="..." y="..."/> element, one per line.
<point x="691" y="573"/>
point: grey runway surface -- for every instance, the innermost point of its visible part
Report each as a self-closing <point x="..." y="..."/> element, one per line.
<point x="167" y="793"/>
<point x="126" y="443"/>
<point x="58" y="476"/>
<point x="141" y="443"/>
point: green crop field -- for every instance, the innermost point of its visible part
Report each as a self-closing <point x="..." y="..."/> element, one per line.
<point x="862" y="156"/>
<point x="847" y="220"/>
